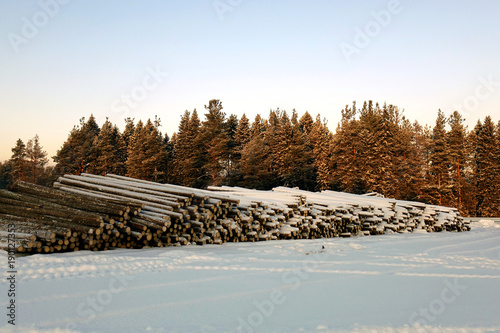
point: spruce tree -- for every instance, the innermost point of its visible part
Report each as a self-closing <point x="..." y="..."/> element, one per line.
<point x="320" y="139"/>
<point x="230" y="164"/>
<point x="290" y="155"/>
<point x="181" y="143"/>
<point x="258" y="126"/>
<point x="486" y="169"/>
<point x="496" y="162"/>
<point x="242" y="135"/>
<point x="370" y="154"/>
<point x="253" y="164"/>
<point x="136" y="153"/>
<point x="304" y="173"/>
<point x="146" y="155"/>
<point x="187" y="151"/>
<point x="65" y="156"/>
<point x="78" y="153"/>
<point x="168" y="161"/>
<point x="48" y="176"/>
<point x="255" y="154"/>
<point x="90" y="138"/>
<point x="282" y="149"/>
<point x="345" y="162"/>
<point x="214" y="141"/>
<point x="111" y="150"/>
<point x="120" y="167"/>
<point x="6" y="171"/>
<point x="127" y="135"/>
<point x="241" y="138"/>
<point x="390" y="151"/>
<point x="154" y="152"/>
<point x="457" y="156"/>
<point x="306" y="123"/>
<point x="271" y="139"/>
<point x="197" y="151"/>
<point x="438" y="187"/>
<point x="412" y="170"/>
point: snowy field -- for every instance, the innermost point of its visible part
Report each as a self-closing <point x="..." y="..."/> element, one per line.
<point x="424" y="282"/>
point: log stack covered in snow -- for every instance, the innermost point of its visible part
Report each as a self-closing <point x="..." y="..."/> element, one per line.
<point x="96" y="213"/>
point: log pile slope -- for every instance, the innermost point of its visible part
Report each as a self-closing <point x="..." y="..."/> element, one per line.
<point x="90" y="212"/>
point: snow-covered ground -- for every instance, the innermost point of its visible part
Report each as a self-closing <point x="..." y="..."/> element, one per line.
<point x="421" y="282"/>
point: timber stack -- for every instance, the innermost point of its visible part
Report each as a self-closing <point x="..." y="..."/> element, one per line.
<point x="90" y="212"/>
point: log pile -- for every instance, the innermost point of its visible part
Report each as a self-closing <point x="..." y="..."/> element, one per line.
<point x="301" y="214"/>
<point x="48" y="220"/>
<point x="90" y="212"/>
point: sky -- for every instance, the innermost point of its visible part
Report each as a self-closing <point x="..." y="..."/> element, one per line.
<point x="61" y="60"/>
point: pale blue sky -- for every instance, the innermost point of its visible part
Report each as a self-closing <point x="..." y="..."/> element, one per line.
<point x="260" y="56"/>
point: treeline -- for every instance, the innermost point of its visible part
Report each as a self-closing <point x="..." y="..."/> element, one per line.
<point x="28" y="163"/>
<point x="374" y="149"/>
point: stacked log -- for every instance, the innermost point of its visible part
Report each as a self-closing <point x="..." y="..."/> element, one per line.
<point x="93" y="212"/>
<point x="195" y="216"/>
<point x="331" y="214"/>
<point x="57" y="221"/>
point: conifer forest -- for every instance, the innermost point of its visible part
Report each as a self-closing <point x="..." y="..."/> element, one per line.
<point x="374" y="148"/>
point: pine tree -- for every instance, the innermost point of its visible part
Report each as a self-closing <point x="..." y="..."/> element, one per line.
<point x="486" y="169"/>
<point x="457" y="155"/>
<point x="19" y="161"/>
<point x="36" y="159"/>
<point x="438" y="187"/>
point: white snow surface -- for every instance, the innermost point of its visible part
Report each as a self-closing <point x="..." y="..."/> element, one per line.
<point x="420" y="282"/>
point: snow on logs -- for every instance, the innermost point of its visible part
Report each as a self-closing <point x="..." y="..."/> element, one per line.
<point x="90" y="212"/>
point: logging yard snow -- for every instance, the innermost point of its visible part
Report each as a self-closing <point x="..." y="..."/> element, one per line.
<point x="414" y="282"/>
